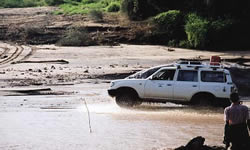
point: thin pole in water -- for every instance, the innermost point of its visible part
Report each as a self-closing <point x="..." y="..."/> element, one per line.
<point x="90" y="130"/>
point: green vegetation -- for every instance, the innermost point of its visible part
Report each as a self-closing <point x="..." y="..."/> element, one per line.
<point x="208" y="24"/>
<point x="76" y="37"/>
<point x="54" y="2"/>
<point x="71" y="7"/>
<point x="67" y="6"/>
<point x="21" y="3"/>
<point x="114" y="7"/>
<point x="171" y="23"/>
<point x="203" y="24"/>
<point x="96" y="15"/>
<point x="196" y="29"/>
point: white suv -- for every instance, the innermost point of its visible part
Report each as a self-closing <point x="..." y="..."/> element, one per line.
<point x="185" y="82"/>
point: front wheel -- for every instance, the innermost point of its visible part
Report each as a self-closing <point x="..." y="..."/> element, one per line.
<point x="127" y="100"/>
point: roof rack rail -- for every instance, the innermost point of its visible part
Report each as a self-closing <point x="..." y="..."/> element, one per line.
<point x="189" y="62"/>
<point x="197" y="63"/>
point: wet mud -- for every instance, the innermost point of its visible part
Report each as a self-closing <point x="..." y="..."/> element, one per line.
<point x="42" y="103"/>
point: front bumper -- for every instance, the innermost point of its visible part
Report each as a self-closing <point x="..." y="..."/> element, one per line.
<point x="112" y="92"/>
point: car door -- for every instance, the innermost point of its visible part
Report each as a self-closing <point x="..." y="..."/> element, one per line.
<point x="186" y="84"/>
<point x="160" y="86"/>
<point x="214" y="82"/>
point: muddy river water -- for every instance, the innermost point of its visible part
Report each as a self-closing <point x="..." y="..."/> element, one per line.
<point x="62" y="123"/>
<point x="43" y="90"/>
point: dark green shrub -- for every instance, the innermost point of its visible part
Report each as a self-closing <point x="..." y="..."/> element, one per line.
<point x="113" y="7"/>
<point x="173" y="43"/>
<point x="21" y="3"/>
<point x="196" y="29"/>
<point x="136" y="9"/>
<point x="184" y="44"/>
<point x="168" y="19"/>
<point x="97" y="15"/>
<point x="88" y="1"/>
<point x="54" y="2"/>
<point x="171" y="23"/>
<point x="12" y="3"/>
<point x="75" y="37"/>
<point x="218" y="33"/>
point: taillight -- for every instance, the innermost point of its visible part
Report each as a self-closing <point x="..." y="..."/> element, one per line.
<point x="234" y="89"/>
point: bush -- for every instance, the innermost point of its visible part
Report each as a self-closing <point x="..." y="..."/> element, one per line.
<point x="219" y="31"/>
<point x="97" y="15"/>
<point x="168" y="18"/>
<point x="171" y="24"/>
<point x="12" y="3"/>
<point x="113" y="7"/>
<point x="173" y="43"/>
<point x="54" y="2"/>
<point x="75" y="37"/>
<point x="21" y="3"/>
<point x="196" y="29"/>
<point x="184" y="44"/>
<point x="136" y="9"/>
<point x="170" y="21"/>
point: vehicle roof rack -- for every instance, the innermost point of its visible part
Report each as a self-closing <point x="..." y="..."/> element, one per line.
<point x="197" y="63"/>
<point x="189" y="62"/>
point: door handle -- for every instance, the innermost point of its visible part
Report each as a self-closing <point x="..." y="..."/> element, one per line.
<point x="194" y="85"/>
<point x="160" y="85"/>
<point x="169" y="84"/>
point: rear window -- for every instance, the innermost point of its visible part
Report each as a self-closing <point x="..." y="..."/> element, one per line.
<point x="188" y="75"/>
<point x="213" y="76"/>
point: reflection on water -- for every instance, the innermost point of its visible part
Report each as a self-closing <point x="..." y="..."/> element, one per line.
<point x="169" y="124"/>
<point x="167" y="109"/>
<point x="147" y="127"/>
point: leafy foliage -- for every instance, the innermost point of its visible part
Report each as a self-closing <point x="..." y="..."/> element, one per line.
<point x="76" y="37"/>
<point x="218" y="30"/>
<point x="97" y="15"/>
<point x="113" y="7"/>
<point x="21" y="3"/>
<point x="196" y="29"/>
<point x="71" y="7"/>
<point x="169" y="21"/>
<point x="171" y="24"/>
<point x="54" y="2"/>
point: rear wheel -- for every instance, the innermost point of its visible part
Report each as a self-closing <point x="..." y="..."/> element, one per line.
<point x="203" y="100"/>
<point x="127" y="100"/>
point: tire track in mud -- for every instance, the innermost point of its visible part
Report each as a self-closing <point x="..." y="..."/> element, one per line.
<point x="12" y="56"/>
<point x="28" y="55"/>
<point x="13" y="53"/>
<point x="4" y="53"/>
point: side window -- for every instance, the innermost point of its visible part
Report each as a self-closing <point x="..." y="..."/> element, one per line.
<point x="164" y="75"/>
<point x="188" y="75"/>
<point x="213" y="76"/>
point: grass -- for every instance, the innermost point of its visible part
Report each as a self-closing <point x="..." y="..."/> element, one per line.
<point x="21" y="3"/>
<point x="85" y="6"/>
<point x="76" y="36"/>
<point x="69" y="7"/>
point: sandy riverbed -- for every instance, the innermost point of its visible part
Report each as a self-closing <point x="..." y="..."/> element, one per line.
<point x="43" y="87"/>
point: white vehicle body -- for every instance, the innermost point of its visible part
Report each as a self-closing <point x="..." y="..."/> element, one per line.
<point x="178" y="84"/>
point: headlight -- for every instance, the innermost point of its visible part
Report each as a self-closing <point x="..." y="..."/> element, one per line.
<point x="112" y="84"/>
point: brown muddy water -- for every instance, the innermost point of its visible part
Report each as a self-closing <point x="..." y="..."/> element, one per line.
<point x="41" y="100"/>
<point x="55" y="122"/>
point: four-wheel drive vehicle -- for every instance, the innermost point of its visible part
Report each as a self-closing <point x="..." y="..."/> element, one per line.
<point x="183" y="82"/>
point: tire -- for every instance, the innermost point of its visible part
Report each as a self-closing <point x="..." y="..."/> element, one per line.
<point x="203" y="100"/>
<point x="127" y="100"/>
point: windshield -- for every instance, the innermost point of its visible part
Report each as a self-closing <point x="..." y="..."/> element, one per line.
<point x="148" y="72"/>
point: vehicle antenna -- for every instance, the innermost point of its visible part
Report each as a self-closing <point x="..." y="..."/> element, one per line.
<point x="90" y="130"/>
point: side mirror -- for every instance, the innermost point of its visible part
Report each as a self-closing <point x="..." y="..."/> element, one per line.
<point x="153" y="78"/>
